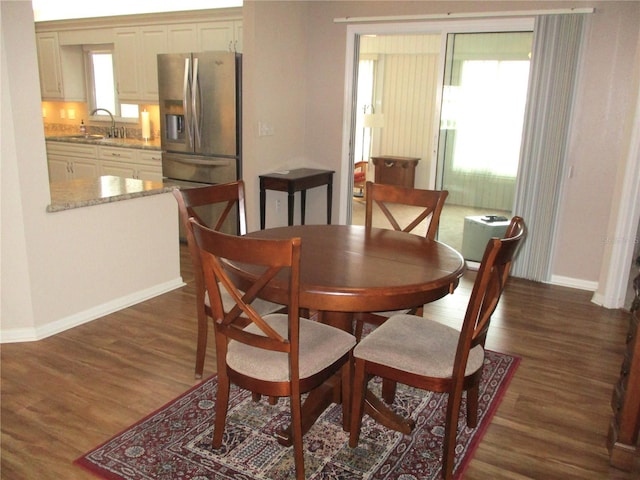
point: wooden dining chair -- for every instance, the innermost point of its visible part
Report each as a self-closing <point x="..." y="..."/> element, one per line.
<point x="426" y="354"/>
<point x="277" y="354"/>
<point x="430" y="203"/>
<point x="227" y="196"/>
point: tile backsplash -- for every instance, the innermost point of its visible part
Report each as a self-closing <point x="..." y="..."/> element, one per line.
<point x="64" y="118"/>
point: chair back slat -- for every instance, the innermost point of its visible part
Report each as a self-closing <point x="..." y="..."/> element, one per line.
<point x="384" y="195"/>
<point x="230" y="194"/>
<point x="488" y="287"/>
<point x="271" y="258"/>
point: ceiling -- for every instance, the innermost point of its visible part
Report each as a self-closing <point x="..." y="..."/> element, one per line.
<point x="44" y="10"/>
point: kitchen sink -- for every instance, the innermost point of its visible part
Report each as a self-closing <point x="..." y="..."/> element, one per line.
<point x="85" y="137"/>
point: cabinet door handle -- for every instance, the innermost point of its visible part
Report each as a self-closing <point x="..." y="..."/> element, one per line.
<point x="389" y="163"/>
<point x="113" y="154"/>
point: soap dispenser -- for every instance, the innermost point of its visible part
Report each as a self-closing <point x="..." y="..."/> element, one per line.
<point x="83" y="127"/>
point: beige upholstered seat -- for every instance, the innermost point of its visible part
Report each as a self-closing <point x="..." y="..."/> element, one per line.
<point x="425" y="354"/>
<point x="420" y="338"/>
<point x="277" y="354"/>
<point x="320" y="345"/>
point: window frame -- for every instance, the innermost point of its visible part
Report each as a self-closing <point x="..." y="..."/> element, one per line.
<point x="89" y="51"/>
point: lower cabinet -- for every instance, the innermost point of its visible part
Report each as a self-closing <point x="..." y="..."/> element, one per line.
<point x="69" y="161"/>
<point x="131" y="163"/>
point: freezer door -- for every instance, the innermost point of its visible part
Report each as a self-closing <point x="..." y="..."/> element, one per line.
<point x="215" y="101"/>
<point x="194" y="168"/>
<point x="175" y="79"/>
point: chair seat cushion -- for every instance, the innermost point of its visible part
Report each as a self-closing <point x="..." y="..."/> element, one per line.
<point x="417" y="345"/>
<point x="320" y="346"/>
<point x="262" y="307"/>
<point x="359" y="176"/>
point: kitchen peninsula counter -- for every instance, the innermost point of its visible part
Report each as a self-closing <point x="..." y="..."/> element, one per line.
<point x="85" y="192"/>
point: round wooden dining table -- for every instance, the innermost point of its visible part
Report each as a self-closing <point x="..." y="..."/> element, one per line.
<point x="345" y="269"/>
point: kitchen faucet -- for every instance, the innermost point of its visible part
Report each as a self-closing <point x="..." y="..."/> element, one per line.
<point x="112" y="132"/>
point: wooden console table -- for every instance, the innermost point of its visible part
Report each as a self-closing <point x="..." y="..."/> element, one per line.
<point x="291" y="181"/>
<point x="395" y="170"/>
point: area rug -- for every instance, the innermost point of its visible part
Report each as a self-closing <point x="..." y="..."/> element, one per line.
<point x="175" y="442"/>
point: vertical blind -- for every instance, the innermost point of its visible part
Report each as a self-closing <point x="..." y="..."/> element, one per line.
<point x="556" y="46"/>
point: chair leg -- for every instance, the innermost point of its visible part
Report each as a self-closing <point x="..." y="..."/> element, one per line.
<point x="359" y="327"/>
<point x="357" y="402"/>
<point x="201" y="346"/>
<point x="346" y="395"/>
<point x="450" y="433"/>
<point x="296" y="432"/>
<point x="222" y="404"/>
<point x="388" y="390"/>
<point x="473" y="394"/>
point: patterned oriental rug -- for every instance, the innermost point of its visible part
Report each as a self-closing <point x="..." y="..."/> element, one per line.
<point x="175" y="442"/>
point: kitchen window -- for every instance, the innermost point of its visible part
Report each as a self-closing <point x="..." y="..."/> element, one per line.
<point x="101" y="84"/>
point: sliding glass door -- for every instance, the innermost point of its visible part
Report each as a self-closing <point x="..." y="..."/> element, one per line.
<point x="483" y="104"/>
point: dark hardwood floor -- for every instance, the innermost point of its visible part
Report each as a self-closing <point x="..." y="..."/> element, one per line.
<point x="68" y="393"/>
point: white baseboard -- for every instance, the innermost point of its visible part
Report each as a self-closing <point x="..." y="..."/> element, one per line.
<point x="573" y="283"/>
<point x="44" y="331"/>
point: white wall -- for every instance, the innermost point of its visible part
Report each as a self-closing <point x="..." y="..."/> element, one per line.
<point x="61" y="269"/>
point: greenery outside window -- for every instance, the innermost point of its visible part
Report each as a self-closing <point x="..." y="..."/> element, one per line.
<point x="101" y="85"/>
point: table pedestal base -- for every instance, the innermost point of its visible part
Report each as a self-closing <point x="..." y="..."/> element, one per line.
<point x="330" y="392"/>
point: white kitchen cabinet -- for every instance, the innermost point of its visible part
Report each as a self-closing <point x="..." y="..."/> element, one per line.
<point x="153" y="40"/>
<point x="182" y="38"/>
<point x="49" y="65"/>
<point x="131" y="163"/>
<point x="126" y="60"/>
<point x="68" y="161"/>
<point x="136" y="51"/>
<point x="223" y="35"/>
<point x="150" y="165"/>
<point x="237" y="33"/>
<point x="61" y="69"/>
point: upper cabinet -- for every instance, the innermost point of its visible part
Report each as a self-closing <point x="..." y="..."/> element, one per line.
<point x="136" y="51"/>
<point x="226" y="35"/>
<point x="137" y="41"/>
<point x="182" y="37"/>
<point x="61" y="69"/>
<point x="126" y="63"/>
<point x="223" y="35"/>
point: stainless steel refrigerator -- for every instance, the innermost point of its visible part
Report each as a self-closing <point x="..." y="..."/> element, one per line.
<point x="200" y="118"/>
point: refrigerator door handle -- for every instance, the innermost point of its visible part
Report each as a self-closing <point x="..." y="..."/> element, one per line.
<point x="195" y="90"/>
<point x="186" y="87"/>
<point x="201" y="161"/>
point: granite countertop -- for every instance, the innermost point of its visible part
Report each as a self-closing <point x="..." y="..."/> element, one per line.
<point x="84" y="192"/>
<point x="153" y="144"/>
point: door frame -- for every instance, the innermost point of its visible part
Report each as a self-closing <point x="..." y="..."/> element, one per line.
<point x="354" y="31"/>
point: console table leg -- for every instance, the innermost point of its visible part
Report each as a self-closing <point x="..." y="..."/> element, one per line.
<point x="303" y="205"/>
<point x="290" y="207"/>
<point x="263" y="198"/>
<point x="329" y="198"/>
